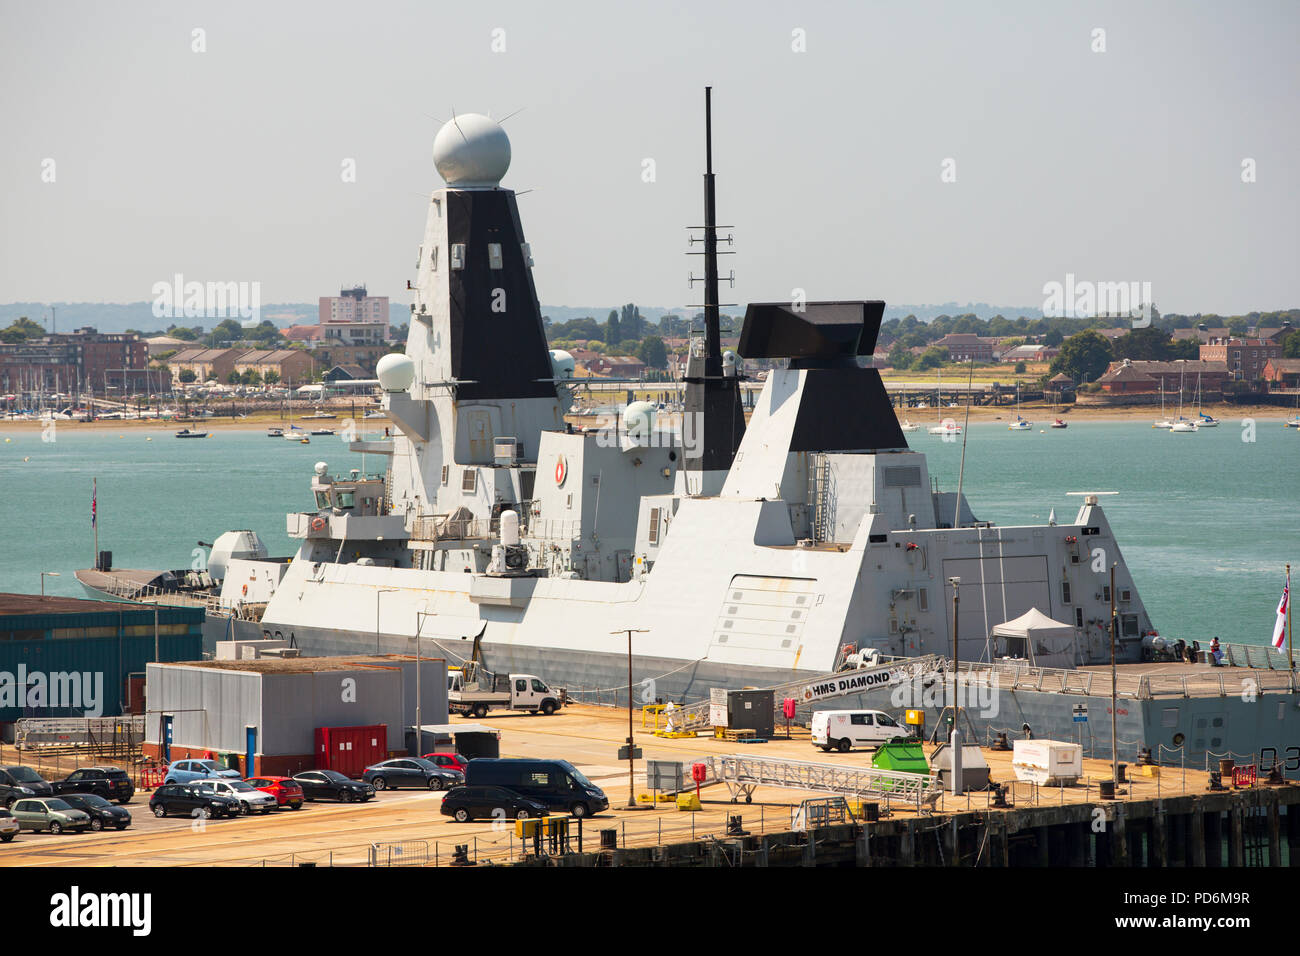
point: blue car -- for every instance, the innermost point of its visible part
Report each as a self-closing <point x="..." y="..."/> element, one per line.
<point x="186" y="771"/>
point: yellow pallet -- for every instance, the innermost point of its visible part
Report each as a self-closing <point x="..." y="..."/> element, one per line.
<point x="733" y="734"/>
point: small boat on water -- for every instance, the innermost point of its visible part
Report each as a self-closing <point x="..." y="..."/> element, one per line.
<point x="1183" y="427"/>
<point x="275" y="433"/>
<point x="909" y="426"/>
<point x="322" y="431"/>
<point x="945" y="427"/>
<point x="1019" y="425"/>
<point x="189" y="433"/>
<point x="1059" y="424"/>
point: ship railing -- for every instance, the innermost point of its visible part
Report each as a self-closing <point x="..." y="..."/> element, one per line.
<point x="1020" y="675"/>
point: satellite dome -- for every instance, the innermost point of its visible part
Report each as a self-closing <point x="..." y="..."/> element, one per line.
<point x="471" y="151"/>
<point x="639" y="420"/>
<point x="562" y="365"/>
<point x="395" y="372"/>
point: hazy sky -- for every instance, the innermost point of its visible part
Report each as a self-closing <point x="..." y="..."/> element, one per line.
<point x="224" y="165"/>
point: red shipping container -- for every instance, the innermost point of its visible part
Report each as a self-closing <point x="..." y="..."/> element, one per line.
<point x="350" y="750"/>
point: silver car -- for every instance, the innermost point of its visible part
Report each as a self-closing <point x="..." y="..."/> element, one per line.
<point x="49" y="813"/>
<point x="250" y="798"/>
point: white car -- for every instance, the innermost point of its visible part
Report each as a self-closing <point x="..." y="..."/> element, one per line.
<point x="843" y="730"/>
<point x="249" y="797"/>
<point x="8" y="826"/>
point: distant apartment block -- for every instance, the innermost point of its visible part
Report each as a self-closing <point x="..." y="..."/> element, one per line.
<point x="84" y="360"/>
<point x="353" y="317"/>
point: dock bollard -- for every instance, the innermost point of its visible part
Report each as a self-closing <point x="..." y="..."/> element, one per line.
<point x="734" y="826"/>
<point x="1119" y="773"/>
<point x="1106" y="789"/>
<point x="609" y="839"/>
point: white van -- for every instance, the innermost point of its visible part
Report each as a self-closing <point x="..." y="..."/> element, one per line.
<point x="843" y="730"/>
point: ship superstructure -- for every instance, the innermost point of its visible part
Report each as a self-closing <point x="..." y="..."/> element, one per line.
<point x="750" y="554"/>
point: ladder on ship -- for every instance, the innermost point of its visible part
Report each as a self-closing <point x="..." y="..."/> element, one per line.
<point x="819" y="478"/>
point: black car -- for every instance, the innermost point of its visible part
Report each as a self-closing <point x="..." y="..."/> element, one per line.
<point x="111" y="783"/>
<point x="18" y="782"/>
<point x="332" y="785"/>
<point x="190" y="800"/>
<point x="411" y="772"/>
<point x="102" y="813"/>
<point x="467" y="803"/>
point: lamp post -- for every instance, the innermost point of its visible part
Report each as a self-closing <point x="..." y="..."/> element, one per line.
<point x="1114" y="626"/>
<point x="955" y="741"/>
<point x="631" y="761"/>
<point x="419" y="726"/>
<point x="44" y="575"/>
<point x="377" y="594"/>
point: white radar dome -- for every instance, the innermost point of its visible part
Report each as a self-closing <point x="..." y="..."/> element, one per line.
<point x="639" y="420"/>
<point x="395" y="372"/>
<point x="562" y="364"/>
<point x="471" y="151"/>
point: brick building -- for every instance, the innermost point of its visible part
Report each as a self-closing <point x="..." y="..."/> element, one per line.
<point x="1244" y="357"/>
<point x="76" y="362"/>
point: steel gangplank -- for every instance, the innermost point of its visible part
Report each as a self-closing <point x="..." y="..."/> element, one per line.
<point x="904" y="670"/>
<point x="742" y="774"/>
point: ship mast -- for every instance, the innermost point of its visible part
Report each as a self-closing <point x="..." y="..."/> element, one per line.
<point x="713" y="421"/>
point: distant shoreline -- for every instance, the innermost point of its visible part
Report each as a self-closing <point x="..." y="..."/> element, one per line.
<point x="1037" y="414"/>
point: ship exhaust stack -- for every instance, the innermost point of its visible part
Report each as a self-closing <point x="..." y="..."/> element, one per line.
<point x="713" y="422"/>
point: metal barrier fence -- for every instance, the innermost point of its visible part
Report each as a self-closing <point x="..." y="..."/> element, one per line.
<point x="121" y="735"/>
<point x="402" y="853"/>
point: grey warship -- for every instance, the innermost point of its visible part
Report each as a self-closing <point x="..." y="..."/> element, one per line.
<point x="751" y="554"/>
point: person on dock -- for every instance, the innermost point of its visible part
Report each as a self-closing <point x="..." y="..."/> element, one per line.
<point x="1216" y="655"/>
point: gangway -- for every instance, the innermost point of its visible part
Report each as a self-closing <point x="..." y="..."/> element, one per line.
<point x="742" y="774"/>
<point x="822" y="687"/>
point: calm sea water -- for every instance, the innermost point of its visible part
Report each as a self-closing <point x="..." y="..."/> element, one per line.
<point x="1206" y="521"/>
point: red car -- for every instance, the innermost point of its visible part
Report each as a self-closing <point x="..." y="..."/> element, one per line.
<point x="286" y="790"/>
<point x="448" y="761"/>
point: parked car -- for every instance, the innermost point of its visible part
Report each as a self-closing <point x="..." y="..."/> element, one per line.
<point x="843" y="730"/>
<point x="18" y="782"/>
<point x="111" y="783"/>
<point x="332" y="785"/>
<point x="189" y="799"/>
<point x="8" y="827"/>
<point x="286" y="790"/>
<point x="411" y="772"/>
<point x="557" y="784"/>
<point x="102" y="813"/>
<point x="49" y="813"/>
<point x="185" y="771"/>
<point x="250" y="798"/>
<point x="448" y="761"/>
<point x="469" y="803"/>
